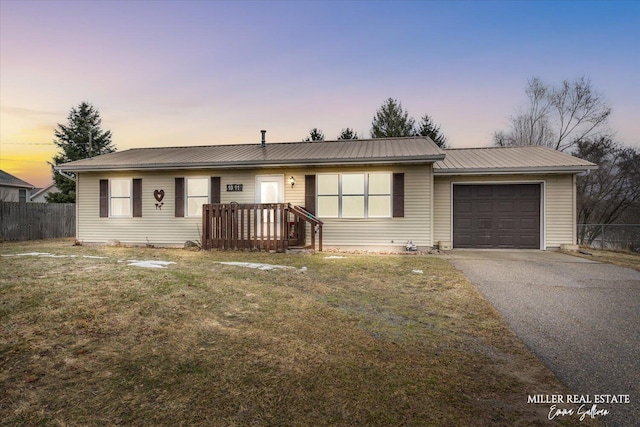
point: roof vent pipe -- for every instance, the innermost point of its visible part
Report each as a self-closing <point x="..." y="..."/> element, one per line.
<point x="264" y="139"/>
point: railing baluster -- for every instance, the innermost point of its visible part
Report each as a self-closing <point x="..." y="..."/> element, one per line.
<point x="228" y="226"/>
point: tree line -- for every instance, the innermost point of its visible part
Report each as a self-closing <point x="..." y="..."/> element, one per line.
<point x="391" y="121"/>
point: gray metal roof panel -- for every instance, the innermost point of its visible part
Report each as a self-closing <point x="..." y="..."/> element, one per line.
<point x="526" y="159"/>
<point x="360" y="151"/>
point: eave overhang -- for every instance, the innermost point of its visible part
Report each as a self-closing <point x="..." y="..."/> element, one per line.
<point x="255" y="164"/>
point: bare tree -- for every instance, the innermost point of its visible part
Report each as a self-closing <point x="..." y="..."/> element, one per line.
<point x="557" y="117"/>
<point x="607" y="195"/>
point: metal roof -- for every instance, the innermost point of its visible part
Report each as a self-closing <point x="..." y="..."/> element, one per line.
<point x="8" y="180"/>
<point x="352" y="151"/>
<point x="502" y="160"/>
<point x="457" y="161"/>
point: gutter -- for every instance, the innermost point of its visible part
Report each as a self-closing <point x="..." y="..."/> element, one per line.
<point x="511" y="171"/>
<point x="249" y="165"/>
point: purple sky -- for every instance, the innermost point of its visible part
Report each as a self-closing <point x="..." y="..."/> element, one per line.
<point x="190" y="73"/>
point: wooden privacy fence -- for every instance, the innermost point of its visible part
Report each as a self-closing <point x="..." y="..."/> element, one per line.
<point x="262" y="226"/>
<point x="32" y="221"/>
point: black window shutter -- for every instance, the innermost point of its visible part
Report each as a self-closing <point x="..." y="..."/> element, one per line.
<point x="104" y="198"/>
<point x="215" y="189"/>
<point x="398" y="195"/>
<point x="137" y="197"/>
<point x="310" y="193"/>
<point x="179" y="197"/>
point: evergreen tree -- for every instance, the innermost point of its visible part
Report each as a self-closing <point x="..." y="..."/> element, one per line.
<point x="315" y="134"/>
<point x="428" y="128"/>
<point x="391" y="120"/>
<point x="348" y="133"/>
<point x="81" y="138"/>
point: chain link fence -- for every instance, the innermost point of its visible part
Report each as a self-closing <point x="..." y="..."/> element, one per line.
<point x="610" y="236"/>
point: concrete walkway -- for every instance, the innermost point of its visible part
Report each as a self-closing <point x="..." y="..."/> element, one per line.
<point x="582" y="318"/>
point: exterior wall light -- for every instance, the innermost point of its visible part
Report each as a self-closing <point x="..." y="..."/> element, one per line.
<point x="292" y="181"/>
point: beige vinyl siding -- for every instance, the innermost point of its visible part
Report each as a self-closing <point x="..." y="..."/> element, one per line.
<point x="365" y="233"/>
<point x="160" y="226"/>
<point x="381" y="233"/>
<point x="558" y="201"/>
<point x="156" y="226"/>
<point x="560" y="210"/>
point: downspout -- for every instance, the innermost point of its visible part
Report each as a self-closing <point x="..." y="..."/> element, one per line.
<point x="66" y="175"/>
<point x="574" y="210"/>
<point x="431" y="208"/>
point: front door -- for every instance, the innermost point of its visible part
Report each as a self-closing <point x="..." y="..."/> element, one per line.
<point x="270" y="189"/>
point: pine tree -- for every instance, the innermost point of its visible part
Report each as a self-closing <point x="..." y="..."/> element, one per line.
<point x="315" y="134"/>
<point x="348" y="133"/>
<point x="428" y="128"/>
<point x="392" y="121"/>
<point x="81" y="138"/>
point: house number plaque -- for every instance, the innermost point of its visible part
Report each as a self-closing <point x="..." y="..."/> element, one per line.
<point x="234" y="187"/>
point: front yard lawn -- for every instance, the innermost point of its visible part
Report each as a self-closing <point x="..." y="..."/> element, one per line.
<point x="338" y="339"/>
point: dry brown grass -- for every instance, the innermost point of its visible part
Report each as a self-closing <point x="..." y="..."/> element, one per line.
<point x="623" y="259"/>
<point x="357" y="341"/>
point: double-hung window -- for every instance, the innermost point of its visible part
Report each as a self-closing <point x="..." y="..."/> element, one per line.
<point x="120" y="198"/>
<point x="197" y="195"/>
<point x="354" y="195"/>
<point x="379" y="195"/>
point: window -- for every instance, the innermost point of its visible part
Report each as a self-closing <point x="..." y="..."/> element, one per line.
<point x="328" y="196"/>
<point x="120" y="197"/>
<point x="22" y="195"/>
<point x="354" y="195"/>
<point x="197" y="195"/>
<point x="379" y="195"/>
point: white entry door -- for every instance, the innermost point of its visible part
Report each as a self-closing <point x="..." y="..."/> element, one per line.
<point x="270" y="189"/>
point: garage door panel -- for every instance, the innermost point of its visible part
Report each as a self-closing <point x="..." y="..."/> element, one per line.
<point x="464" y="240"/>
<point x="496" y="216"/>
<point x="484" y="191"/>
<point x="506" y="240"/>
<point x="530" y="190"/>
<point x="464" y="207"/>
<point x="504" y="191"/>
<point x="530" y="241"/>
<point x="530" y="224"/>
<point x="532" y="206"/>
<point x="506" y="224"/>
<point x="485" y="223"/>
<point x="506" y="206"/>
<point x="484" y="207"/>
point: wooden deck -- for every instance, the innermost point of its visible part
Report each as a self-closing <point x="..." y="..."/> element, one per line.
<point x="261" y="226"/>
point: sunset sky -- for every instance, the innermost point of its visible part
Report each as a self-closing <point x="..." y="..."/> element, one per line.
<point x="166" y="73"/>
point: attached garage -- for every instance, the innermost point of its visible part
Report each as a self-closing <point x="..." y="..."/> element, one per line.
<point x="505" y="197"/>
<point x="487" y="216"/>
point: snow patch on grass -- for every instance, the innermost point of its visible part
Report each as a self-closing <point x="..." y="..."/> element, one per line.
<point x="148" y="263"/>
<point x="259" y="266"/>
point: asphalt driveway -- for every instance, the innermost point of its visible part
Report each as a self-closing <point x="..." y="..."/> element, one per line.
<point x="581" y="317"/>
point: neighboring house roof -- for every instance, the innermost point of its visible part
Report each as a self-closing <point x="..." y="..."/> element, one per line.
<point x="8" y="180"/>
<point x="352" y="151"/>
<point x="51" y="188"/>
<point x="504" y="160"/>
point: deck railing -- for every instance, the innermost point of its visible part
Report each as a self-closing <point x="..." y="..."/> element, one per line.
<point x="261" y="226"/>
